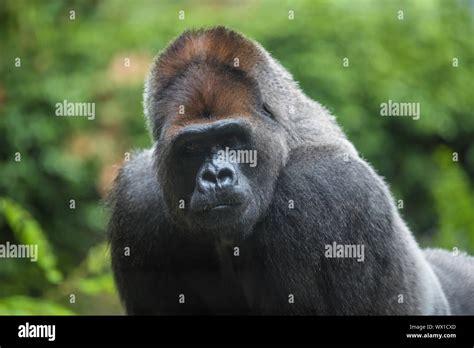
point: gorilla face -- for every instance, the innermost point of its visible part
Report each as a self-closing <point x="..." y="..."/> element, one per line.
<point x="219" y="150"/>
<point x="216" y="189"/>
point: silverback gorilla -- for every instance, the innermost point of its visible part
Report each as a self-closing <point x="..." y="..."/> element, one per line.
<point x="195" y="230"/>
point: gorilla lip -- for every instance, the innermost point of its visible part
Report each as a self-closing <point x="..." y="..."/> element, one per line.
<point x="224" y="206"/>
<point x="220" y="207"/>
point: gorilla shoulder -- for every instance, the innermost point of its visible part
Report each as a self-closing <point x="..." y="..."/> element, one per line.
<point x="136" y="193"/>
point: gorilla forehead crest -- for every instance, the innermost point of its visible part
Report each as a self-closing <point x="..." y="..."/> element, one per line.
<point x="202" y="74"/>
<point x="214" y="46"/>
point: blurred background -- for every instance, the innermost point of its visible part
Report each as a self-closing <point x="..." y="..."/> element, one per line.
<point x="423" y="54"/>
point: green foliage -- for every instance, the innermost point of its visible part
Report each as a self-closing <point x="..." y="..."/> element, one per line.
<point x="22" y="305"/>
<point x="93" y="275"/>
<point x="27" y="231"/>
<point x="454" y="198"/>
<point x="408" y="60"/>
<point x="91" y="278"/>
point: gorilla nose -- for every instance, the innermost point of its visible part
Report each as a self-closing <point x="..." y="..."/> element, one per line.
<point x="217" y="176"/>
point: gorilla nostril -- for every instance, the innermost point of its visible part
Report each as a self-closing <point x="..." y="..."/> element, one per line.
<point x="215" y="176"/>
<point x="225" y="173"/>
<point x="209" y="176"/>
<point x="226" y="176"/>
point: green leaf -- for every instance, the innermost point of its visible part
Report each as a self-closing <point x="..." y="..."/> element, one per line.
<point x="23" y="305"/>
<point x="28" y="231"/>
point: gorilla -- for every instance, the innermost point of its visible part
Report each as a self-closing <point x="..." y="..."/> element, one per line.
<point x="307" y="227"/>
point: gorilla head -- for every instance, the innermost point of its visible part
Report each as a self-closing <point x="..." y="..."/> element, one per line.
<point x="207" y="116"/>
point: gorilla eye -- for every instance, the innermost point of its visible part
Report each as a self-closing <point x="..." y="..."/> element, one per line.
<point x="267" y="111"/>
<point x="232" y="141"/>
<point x="191" y="149"/>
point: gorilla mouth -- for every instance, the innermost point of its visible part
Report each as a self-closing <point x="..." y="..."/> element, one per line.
<point x="218" y="214"/>
<point x="219" y="207"/>
<point x="225" y="206"/>
<point x="227" y="201"/>
<point x="219" y="210"/>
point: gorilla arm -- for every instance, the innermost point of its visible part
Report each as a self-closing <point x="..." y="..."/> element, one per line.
<point x="132" y="234"/>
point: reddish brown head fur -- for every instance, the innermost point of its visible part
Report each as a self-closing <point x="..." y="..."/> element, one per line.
<point x="215" y="46"/>
<point x="202" y="75"/>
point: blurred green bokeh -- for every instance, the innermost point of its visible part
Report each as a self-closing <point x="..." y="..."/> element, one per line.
<point x="407" y="56"/>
